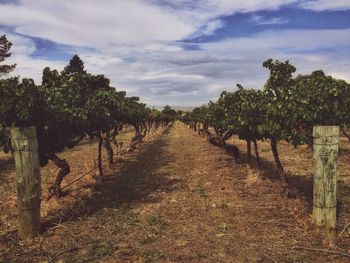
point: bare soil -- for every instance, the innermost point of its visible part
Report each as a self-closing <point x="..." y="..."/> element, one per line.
<point x="177" y="199"/>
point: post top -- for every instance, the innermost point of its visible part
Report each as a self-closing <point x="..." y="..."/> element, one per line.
<point x="23" y="132"/>
<point x="326" y="131"/>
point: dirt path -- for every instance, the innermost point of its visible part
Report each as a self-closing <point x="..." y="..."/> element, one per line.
<point x="178" y="199"/>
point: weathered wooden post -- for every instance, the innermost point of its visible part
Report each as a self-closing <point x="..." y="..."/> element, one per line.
<point x="25" y="147"/>
<point x="326" y="147"/>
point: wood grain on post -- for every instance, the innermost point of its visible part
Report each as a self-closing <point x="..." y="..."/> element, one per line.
<point x="25" y="147"/>
<point x="326" y="147"/>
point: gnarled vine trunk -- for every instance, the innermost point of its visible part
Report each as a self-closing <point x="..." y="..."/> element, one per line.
<point x="275" y="154"/>
<point x="280" y="169"/>
<point x="114" y="134"/>
<point x="99" y="155"/>
<point x="257" y="153"/>
<point x="63" y="171"/>
<point x="109" y="150"/>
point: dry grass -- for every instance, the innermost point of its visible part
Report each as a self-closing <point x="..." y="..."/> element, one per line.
<point x="176" y="199"/>
<point x="298" y="164"/>
<point x="82" y="158"/>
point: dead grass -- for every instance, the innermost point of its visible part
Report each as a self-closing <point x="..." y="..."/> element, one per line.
<point x="81" y="159"/>
<point x="298" y="164"/>
<point x="176" y="199"/>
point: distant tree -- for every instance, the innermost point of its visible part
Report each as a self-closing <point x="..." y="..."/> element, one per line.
<point x="50" y="76"/>
<point x="179" y="113"/>
<point x="168" y="114"/>
<point x="5" y="46"/>
<point x="168" y="110"/>
<point x="76" y="65"/>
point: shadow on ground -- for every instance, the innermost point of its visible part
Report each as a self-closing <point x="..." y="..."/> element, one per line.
<point x="300" y="184"/>
<point x="133" y="183"/>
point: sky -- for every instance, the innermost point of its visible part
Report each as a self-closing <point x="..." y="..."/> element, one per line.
<point x="178" y="52"/>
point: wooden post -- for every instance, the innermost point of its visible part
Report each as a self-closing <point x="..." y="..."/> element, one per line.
<point x="25" y="147"/>
<point x="326" y="147"/>
<point x="109" y="150"/>
<point x="99" y="156"/>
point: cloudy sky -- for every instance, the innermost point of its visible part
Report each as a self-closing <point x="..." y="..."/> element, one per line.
<point x="178" y="52"/>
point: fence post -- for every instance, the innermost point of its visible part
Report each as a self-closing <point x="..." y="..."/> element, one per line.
<point x="326" y="147"/>
<point x="25" y="147"/>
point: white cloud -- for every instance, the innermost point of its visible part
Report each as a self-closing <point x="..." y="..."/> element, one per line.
<point x="211" y="27"/>
<point x="321" y="5"/>
<point x="138" y="45"/>
<point x="169" y="75"/>
<point x="27" y="66"/>
<point x="308" y="50"/>
<point x="20" y="45"/>
<point x="214" y="8"/>
<point x="260" y="20"/>
<point x="191" y="77"/>
<point x="99" y="24"/>
<point x="32" y="68"/>
<point x="292" y="39"/>
<point x="94" y="24"/>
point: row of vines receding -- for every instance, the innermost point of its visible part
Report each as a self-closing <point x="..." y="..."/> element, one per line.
<point x="286" y="109"/>
<point x="68" y="106"/>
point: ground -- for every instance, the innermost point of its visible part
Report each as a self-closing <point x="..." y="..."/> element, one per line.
<point x="176" y="199"/>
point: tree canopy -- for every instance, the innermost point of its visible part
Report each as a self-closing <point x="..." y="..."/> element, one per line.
<point x="5" y="47"/>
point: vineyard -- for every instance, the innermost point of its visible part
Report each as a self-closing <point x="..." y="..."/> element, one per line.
<point x="89" y="174"/>
<point x="178" y="198"/>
